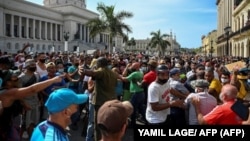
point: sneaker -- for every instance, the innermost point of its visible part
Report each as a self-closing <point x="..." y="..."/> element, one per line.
<point x="25" y="135"/>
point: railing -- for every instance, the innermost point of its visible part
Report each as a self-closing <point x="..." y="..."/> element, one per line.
<point x="245" y="28"/>
<point x="223" y="37"/>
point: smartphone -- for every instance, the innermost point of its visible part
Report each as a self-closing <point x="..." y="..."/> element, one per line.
<point x="240" y="109"/>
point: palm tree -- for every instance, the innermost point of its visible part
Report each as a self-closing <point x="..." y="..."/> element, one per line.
<point x="131" y="42"/>
<point x="158" y="41"/>
<point x="110" y="22"/>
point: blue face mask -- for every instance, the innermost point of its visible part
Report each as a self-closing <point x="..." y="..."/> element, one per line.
<point x="248" y="81"/>
<point x="110" y="66"/>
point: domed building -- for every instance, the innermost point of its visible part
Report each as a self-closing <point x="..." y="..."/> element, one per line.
<point x="58" y="25"/>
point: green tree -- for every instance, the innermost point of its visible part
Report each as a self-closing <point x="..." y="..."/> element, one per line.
<point x="158" y="41"/>
<point x="131" y="42"/>
<point x="110" y="22"/>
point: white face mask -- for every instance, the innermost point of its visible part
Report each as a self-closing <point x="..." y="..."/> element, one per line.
<point x="223" y="80"/>
<point x="207" y="68"/>
<point x="22" y="59"/>
<point x="196" y="90"/>
<point x="144" y="69"/>
<point x="61" y="70"/>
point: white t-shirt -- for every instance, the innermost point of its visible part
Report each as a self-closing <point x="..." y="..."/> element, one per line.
<point x="40" y="71"/>
<point x="157" y="93"/>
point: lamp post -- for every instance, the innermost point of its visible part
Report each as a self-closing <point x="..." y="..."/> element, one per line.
<point x="205" y="50"/>
<point x="53" y="47"/>
<point x="227" y="30"/>
<point x="78" y="47"/>
<point x="211" y="49"/>
<point x="66" y="38"/>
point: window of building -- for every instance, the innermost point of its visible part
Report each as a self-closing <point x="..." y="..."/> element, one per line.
<point x="16" y="46"/>
<point x="7" y="32"/>
<point x="16" y="30"/>
<point x="37" y="47"/>
<point x="9" y="46"/>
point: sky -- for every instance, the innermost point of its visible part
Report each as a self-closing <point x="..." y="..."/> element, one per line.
<point x="188" y="20"/>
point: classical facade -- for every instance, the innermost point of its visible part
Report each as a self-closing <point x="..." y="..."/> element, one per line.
<point x="58" y="25"/>
<point x="209" y="46"/>
<point x="142" y="45"/>
<point x="224" y="22"/>
<point x="233" y="27"/>
<point x="241" y="26"/>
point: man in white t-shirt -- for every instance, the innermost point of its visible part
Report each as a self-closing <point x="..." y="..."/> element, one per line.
<point x="158" y="102"/>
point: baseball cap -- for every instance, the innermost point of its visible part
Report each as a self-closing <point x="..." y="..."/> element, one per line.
<point x="242" y="74"/>
<point x="50" y="64"/>
<point x="62" y="98"/>
<point x="152" y="63"/>
<point x="174" y="71"/>
<point x="201" y="83"/>
<point x="177" y="65"/>
<point x="29" y="62"/>
<point x="107" y="115"/>
<point x="162" y="68"/>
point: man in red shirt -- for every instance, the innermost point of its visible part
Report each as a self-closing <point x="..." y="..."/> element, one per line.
<point x="149" y="77"/>
<point x="221" y="114"/>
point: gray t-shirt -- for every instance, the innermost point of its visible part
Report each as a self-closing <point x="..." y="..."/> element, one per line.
<point x="177" y="85"/>
<point x="33" y="100"/>
<point x="208" y="103"/>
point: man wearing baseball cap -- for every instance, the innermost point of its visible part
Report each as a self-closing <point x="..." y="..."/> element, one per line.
<point x="61" y="104"/>
<point x="208" y="102"/>
<point x="110" y="126"/>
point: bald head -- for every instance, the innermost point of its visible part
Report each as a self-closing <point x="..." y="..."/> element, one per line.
<point x="228" y="92"/>
<point x="135" y="65"/>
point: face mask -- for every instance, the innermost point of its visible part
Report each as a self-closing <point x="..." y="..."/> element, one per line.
<point x="61" y="70"/>
<point x="144" y="69"/>
<point x="110" y="66"/>
<point x="22" y="59"/>
<point x="248" y="80"/>
<point x="223" y="80"/>
<point x="207" y="68"/>
<point x="4" y="71"/>
<point x="42" y="60"/>
<point x="162" y="81"/>
<point x="196" y="90"/>
<point x="32" y="69"/>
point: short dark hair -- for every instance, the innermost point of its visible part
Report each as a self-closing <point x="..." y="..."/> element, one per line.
<point x="226" y="73"/>
<point x="102" y="61"/>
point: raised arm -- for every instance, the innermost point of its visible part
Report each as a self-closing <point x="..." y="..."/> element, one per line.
<point x="9" y="96"/>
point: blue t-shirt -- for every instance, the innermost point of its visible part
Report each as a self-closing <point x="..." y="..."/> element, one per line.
<point x="48" y="131"/>
<point x="52" y="87"/>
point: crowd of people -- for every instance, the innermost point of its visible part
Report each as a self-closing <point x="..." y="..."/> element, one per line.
<point x="43" y="94"/>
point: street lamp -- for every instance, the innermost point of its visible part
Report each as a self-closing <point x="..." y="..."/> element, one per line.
<point x="205" y="50"/>
<point x="227" y="30"/>
<point x="53" y="47"/>
<point x="211" y="49"/>
<point x="66" y="38"/>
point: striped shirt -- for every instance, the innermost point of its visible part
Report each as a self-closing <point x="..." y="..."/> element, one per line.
<point x="48" y="131"/>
